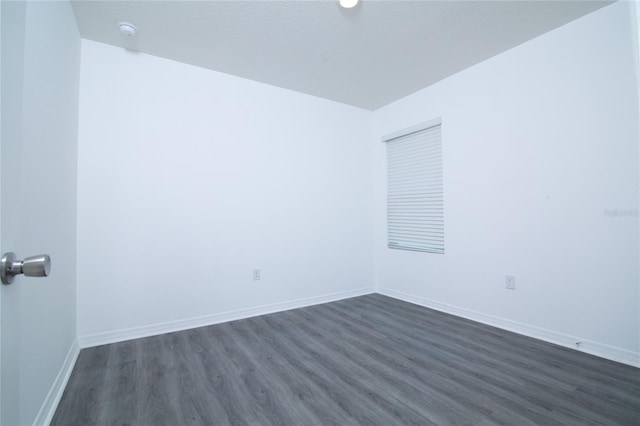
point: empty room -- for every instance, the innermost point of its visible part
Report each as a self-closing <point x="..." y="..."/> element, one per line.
<point x="367" y="212"/>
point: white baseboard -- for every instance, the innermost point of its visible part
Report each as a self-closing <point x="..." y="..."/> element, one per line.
<point x="48" y="408"/>
<point x="185" y="324"/>
<point x="588" y="346"/>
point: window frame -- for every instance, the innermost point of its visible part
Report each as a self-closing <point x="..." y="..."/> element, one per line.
<point x="432" y="229"/>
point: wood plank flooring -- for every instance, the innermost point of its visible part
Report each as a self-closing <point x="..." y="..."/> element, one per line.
<point x="369" y="360"/>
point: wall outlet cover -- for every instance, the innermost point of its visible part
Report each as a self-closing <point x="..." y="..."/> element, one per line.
<point x="510" y="282"/>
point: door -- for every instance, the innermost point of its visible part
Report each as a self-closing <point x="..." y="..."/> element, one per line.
<point x="40" y="63"/>
<point x="12" y="61"/>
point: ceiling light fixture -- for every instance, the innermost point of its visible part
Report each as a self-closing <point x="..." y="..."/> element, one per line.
<point x="348" y="4"/>
<point x="127" y="29"/>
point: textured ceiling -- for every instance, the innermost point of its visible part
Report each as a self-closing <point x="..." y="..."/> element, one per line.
<point x="368" y="56"/>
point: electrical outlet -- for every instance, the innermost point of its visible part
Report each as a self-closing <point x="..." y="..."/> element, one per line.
<point x="256" y="274"/>
<point x="510" y="282"/>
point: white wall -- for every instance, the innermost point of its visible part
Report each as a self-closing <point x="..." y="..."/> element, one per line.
<point x="538" y="143"/>
<point x="189" y="179"/>
<point x="39" y="153"/>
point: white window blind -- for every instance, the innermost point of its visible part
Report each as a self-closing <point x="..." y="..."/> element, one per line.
<point x="415" y="198"/>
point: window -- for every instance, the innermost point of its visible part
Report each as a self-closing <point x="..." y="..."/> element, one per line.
<point x="415" y="198"/>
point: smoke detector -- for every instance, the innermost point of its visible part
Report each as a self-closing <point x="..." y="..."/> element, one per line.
<point x="127" y="29"/>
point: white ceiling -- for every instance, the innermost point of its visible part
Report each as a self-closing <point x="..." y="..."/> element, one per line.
<point x="368" y="56"/>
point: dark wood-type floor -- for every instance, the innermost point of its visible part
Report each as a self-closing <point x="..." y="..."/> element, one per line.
<point x="370" y="360"/>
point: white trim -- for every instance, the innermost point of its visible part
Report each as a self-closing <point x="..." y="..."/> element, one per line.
<point x="588" y="346"/>
<point x="202" y="321"/>
<point x="413" y="129"/>
<point x="50" y="404"/>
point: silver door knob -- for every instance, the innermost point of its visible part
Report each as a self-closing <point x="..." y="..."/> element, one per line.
<point x="34" y="266"/>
